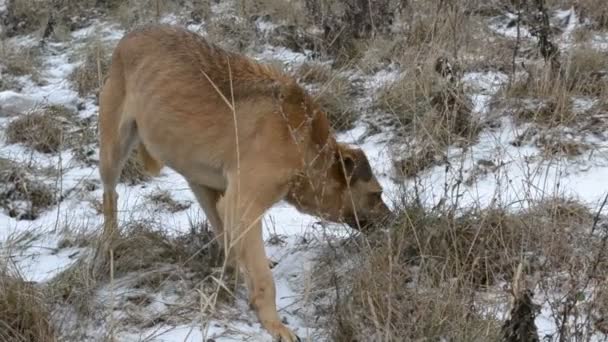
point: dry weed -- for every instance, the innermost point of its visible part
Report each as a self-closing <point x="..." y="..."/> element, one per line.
<point x="24" y="311"/>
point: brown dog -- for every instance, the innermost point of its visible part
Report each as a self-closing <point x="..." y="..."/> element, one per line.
<point x="243" y="134"/>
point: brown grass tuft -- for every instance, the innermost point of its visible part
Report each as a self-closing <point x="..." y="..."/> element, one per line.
<point x="43" y="130"/>
<point x="24" y="313"/>
<point x="22" y="194"/>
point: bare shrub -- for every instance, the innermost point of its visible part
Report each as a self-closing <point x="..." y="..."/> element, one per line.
<point x="24" y="311"/>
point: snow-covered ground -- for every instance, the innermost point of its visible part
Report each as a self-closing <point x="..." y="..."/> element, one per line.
<point x="521" y="175"/>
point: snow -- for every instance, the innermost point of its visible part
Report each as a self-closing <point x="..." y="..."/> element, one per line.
<point x="507" y="26"/>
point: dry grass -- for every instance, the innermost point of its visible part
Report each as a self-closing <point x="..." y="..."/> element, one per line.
<point x="89" y="76"/>
<point x="433" y="107"/>
<point x="418" y="160"/>
<point x="145" y="257"/>
<point x="50" y="19"/>
<point x="133" y="172"/>
<point x="43" y="130"/>
<point x="22" y="193"/>
<point x="310" y="72"/>
<point x="233" y="33"/>
<point x="163" y="200"/>
<point x="545" y="98"/>
<point x="424" y="279"/>
<point x="24" y="311"/>
<point x="25" y="16"/>
<point x="290" y="12"/>
<point x="20" y="61"/>
<point x="333" y="91"/>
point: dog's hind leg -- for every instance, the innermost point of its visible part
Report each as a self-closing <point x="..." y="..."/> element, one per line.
<point x="117" y="136"/>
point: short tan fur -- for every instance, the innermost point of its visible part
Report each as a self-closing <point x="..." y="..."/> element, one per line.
<point x="245" y="136"/>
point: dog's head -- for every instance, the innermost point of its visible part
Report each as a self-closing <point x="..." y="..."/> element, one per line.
<point x="357" y="200"/>
<point x="348" y="193"/>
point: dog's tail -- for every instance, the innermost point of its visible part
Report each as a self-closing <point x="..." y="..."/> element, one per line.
<point x="151" y="165"/>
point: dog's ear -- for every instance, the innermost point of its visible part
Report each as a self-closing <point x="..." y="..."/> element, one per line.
<point x="354" y="165"/>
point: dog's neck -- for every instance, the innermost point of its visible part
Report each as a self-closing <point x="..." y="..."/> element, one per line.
<point x="309" y="188"/>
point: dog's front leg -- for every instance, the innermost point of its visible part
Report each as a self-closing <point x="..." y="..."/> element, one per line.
<point x="242" y="212"/>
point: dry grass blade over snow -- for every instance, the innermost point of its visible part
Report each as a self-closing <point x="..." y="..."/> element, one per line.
<point x="486" y="121"/>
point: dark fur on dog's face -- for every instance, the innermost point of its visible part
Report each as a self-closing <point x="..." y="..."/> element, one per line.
<point x="361" y="202"/>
